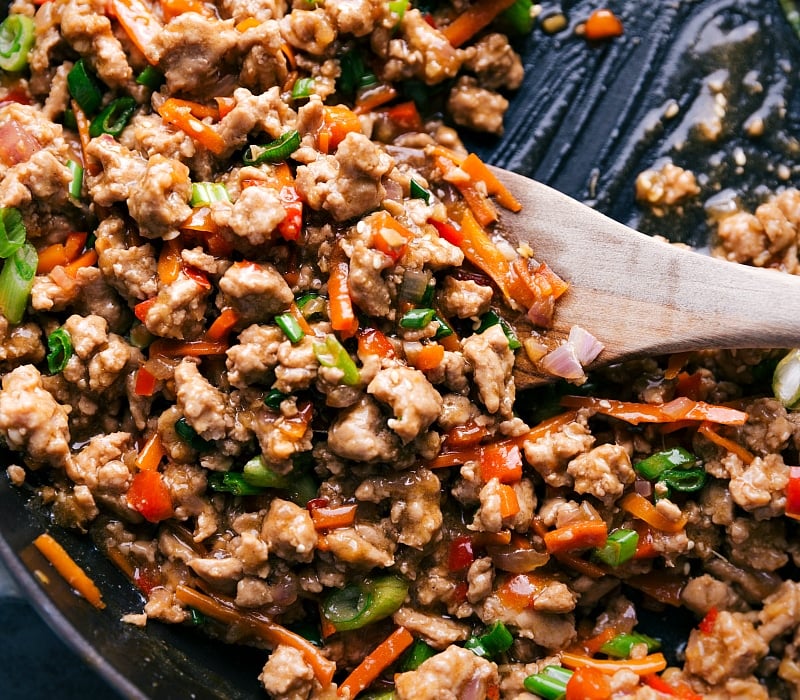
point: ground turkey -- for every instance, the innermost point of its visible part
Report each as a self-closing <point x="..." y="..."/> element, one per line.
<point x="452" y="675"/>
<point x="414" y="401"/>
<point x="257" y="291"/>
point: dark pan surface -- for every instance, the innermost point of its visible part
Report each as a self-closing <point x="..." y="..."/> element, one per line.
<point x="588" y="119"/>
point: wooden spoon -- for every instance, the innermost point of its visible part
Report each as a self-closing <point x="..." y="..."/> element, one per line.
<point x="640" y="296"/>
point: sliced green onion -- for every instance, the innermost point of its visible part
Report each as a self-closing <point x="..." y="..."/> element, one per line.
<point x="12" y="231"/>
<point x="684" y="480"/>
<point x="84" y="88"/>
<point x="519" y="17"/>
<point x="274" y="151"/>
<point x="620" y="646"/>
<point x="417" y="191"/>
<point x="76" y="184"/>
<point x="496" y="640"/>
<point x="289" y="325"/>
<point x="302" y="88"/>
<point x="233" y="482"/>
<point x="302" y="489"/>
<point x="151" y="78"/>
<point x="17" y="34"/>
<point x="332" y="353"/>
<point x="444" y="328"/>
<point x="551" y="684"/>
<point x="69" y="119"/>
<point x="113" y="118"/>
<point x="417" y="318"/>
<point x="312" y="306"/>
<point x="379" y="695"/>
<point x="189" y="435"/>
<point x="274" y="399"/>
<point x="257" y="472"/>
<point x="786" y="379"/>
<point x="490" y="318"/>
<point x="652" y="466"/>
<point x="365" y="602"/>
<point x="354" y="74"/>
<point x="418" y="652"/>
<point x="16" y="281"/>
<point x="398" y="8"/>
<point x="59" y="350"/>
<point x="619" y="547"/>
<point x="140" y="337"/>
<point x="205" y="194"/>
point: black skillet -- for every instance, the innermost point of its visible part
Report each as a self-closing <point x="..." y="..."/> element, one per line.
<point x="588" y="118"/>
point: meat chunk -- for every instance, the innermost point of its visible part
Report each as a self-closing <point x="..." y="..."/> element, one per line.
<point x="289" y="531"/>
<point x="356" y="17"/>
<point x="120" y="174"/>
<point x="368" y="289"/>
<point x="255" y="215"/>
<point x="761" y="487"/>
<point x="205" y="407"/>
<point x="364" y="545"/>
<point x="131" y="270"/>
<point x="297" y="365"/>
<point x="32" y="420"/>
<point x="309" y="30"/>
<point x="435" y="630"/>
<point x="179" y="310"/>
<point x="20" y="344"/>
<point x="287" y="675"/>
<point x="731" y="649"/>
<point x="667" y="186"/>
<point x="349" y="183"/>
<point x="603" y="472"/>
<point x="496" y="65"/>
<point x="492" y="361"/>
<point x="475" y="107"/>
<point x="159" y="202"/>
<point x="252" y="359"/>
<point x="781" y="612"/>
<point x="465" y="298"/>
<point x="415" y="507"/>
<point x="360" y="433"/>
<point x="256" y="290"/>
<point x="414" y="401"/>
<point x="450" y="675"/>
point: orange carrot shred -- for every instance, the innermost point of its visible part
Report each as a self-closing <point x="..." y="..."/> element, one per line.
<point x="706" y="429"/>
<point x="383" y="656"/>
<point x="473" y="19"/>
<point x="73" y="574"/>
<point x="88" y="259"/>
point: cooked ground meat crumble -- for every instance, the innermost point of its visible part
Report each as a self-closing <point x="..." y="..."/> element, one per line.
<point x="265" y="360"/>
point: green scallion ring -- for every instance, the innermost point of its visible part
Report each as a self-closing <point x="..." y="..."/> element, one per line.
<point x="76" y="184"/>
<point x="302" y="88"/>
<point x="12" y="231"/>
<point x="83" y="87"/>
<point x="151" y="78"/>
<point x="275" y="151"/>
<point x="417" y="318"/>
<point x="17" y="34"/>
<point x="113" y="118"/>
<point x="16" y="281"/>
<point x="59" y="350"/>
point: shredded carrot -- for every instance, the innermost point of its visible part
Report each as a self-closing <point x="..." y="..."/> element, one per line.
<point x="173" y="8"/>
<point x="327" y="518"/>
<point x="477" y="200"/>
<point x="576" y="563"/>
<point x="502" y="461"/>
<point x="509" y="503"/>
<point x="288" y="52"/>
<point x="405" y="115"/>
<point x="653" y="663"/>
<point x="222" y="325"/>
<point x="374" y="97"/>
<point x="88" y="259"/>
<point x="592" y="645"/>
<point x="641" y="508"/>
<point x="473" y="19"/>
<point x="186" y="348"/>
<point x="169" y="262"/>
<point x="297" y="315"/>
<point x="478" y="170"/>
<point x="178" y="114"/>
<point x="326" y="627"/>
<point x="90" y="164"/>
<point x="262" y="627"/>
<point x="337" y="122"/>
<point x="678" y="690"/>
<point x="491" y="539"/>
<point x="578" y="535"/>
<point x="73" y="574"/>
<point x="706" y="429"/>
<point x="51" y="257"/>
<point x="383" y="656"/>
<point x="139" y="23"/>
<point x="676" y="363"/>
<point x="340" y="305"/>
<point x="246" y="24"/>
<point x="429" y="357"/>
<point x="681" y="408"/>
<point x="467" y="435"/>
<point x="151" y="454"/>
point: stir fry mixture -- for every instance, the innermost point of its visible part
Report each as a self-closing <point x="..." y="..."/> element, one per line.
<point x="257" y="337"/>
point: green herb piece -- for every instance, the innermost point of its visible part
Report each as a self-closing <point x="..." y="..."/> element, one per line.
<point x="59" y="350"/>
<point x="16" y="281"/>
<point x="303" y="488"/>
<point x="275" y="398"/>
<point x="258" y="473"/>
<point x="83" y="87"/>
<point x="332" y="353"/>
<point x="444" y="328"/>
<point x="189" y="435"/>
<point x="786" y="379"/>
<point x="519" y="17"/>
<point x="354" y="74"/>
<point x="17" y="34"/>
<point x="619" y="547"/>
<point x="398" y="9"/>
<point x="274" y="151"/>
<point x="69" y="119"/>
<point x="491" y="318"/>
<point x="620" y="646"/>
<point x="495" y="641"/>
<point x="205" y="194"/>
<point x="418" y="652"/>
<point x="684" y="480"/>
<point x="12" y="231"/>
<point x="417" y="318"/>
<point x="417" y="191"/>
<point x="76" y="184"/>
<point x="302" y="88"/>
<point x="312" y="306"/>
<point x="365" y="602"/>
<point x="197" y="617"/>
<point x="233" y="482"/>
<point x="551" y="684"/>
<point x="113" y="118"/>
<point x="151" y="78"/>
<point x="289" y="325"/>
<point x="675" y="457"/>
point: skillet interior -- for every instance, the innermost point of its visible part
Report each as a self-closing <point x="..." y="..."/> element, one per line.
<point x="586" y="121"/>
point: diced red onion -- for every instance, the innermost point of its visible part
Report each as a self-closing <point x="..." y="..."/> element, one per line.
<point x="541" y="312"/>
<point x="474" y="689"/>
<point x="643" y="487"/>
<point x="16" y="144"/>
<point x="562" y="362"/>
<point x="587" y="347"/>
<point x="517" y="560"/>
